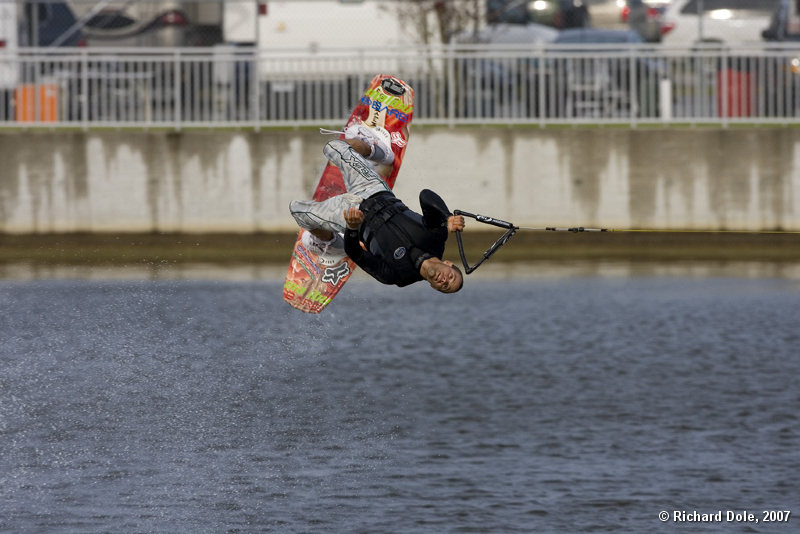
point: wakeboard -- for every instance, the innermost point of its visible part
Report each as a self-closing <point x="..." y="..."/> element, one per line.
<point x="312" y="282"/>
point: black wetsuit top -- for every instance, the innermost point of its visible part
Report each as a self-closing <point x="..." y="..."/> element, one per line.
<point x="398" y="240"/>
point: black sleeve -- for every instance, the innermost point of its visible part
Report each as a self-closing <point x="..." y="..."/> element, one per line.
<point x="371" y="264"/>
<point x="418" y="256"/>
<point x="352" y="244"/>
<point x="434" y="210"/>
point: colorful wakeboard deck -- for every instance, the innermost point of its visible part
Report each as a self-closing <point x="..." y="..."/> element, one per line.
<point x="311" y="284"/>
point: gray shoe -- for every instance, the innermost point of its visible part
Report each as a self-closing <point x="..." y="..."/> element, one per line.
<point x="328" y="252"/>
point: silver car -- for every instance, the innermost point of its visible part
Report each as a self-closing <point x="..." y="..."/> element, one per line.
<point x="140" y="24"/>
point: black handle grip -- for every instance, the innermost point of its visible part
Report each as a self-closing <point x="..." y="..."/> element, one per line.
<point x="510" y="231"/>
<point x="486" y="219"/>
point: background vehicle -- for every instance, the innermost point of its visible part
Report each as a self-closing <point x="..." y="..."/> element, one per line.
<point x="722" y="21"/>
<point x="49" y="24"/>
<point x="491" y="84"/>
<point x="143" y="23"/>
<point x="9" y="70"/>
<point x="503" y="33"/>
<point x="783" y="87"/>
<point x="555" y="13"/>
<point x="785" y="22"/>
<point x="645" y="17"/>
<point x="33" y="92"/>
<point x="655" y="5"/>
<point x="600" y="86"/>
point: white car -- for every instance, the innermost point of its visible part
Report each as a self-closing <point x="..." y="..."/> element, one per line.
<point x="723" y="21"/>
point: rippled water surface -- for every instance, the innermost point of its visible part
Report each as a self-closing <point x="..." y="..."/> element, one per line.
<point x="563" y="404"/>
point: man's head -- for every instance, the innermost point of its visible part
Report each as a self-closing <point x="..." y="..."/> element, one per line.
<point x="442" y="275"/>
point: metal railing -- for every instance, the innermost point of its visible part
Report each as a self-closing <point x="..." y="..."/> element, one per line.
<point x="244" y="87"/>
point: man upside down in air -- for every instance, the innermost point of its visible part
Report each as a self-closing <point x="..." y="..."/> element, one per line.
<point x="400" y="246"/>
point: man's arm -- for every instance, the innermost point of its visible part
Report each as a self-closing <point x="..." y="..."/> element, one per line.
<point x="373" y="265"/>
<point x="436" y="214"/>
<point x="434" y="210"/>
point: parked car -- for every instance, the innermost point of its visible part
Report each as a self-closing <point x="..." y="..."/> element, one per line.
<point x="722" y="21"/>
<point x="493" y="85"/>
<point x="785" y="23"/>
<point x="555" y="13"/>
<point x="645" y="17"/>
<point x="141" y="24"/>
<point x="625" y="7"/>
<point x="597" y="80"/>
<point x="503" y="33"/>
<point x="50" y="24"/>
<point x="783" y="80"/>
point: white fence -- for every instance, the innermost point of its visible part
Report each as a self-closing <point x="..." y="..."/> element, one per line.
<point x="242" y="87"/>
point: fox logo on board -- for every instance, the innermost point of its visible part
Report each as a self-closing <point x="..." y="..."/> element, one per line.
<point x="334" y="275"/>
<point x="397" y="139"/>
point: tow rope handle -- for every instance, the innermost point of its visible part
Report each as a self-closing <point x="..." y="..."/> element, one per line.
<point x="510" y="231"/>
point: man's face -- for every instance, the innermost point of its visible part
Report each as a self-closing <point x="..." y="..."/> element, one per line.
<point x="445" y="278"/>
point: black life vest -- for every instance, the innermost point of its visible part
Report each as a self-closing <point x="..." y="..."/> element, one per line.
<point x="400" y="236"/>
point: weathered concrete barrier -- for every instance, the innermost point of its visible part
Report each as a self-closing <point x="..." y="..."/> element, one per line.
<point x="243" y="181"/>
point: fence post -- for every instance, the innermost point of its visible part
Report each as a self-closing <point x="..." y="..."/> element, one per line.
<point x="542" y="64"/>
<point x="633" y="85"/>
<point x="724" y="77"/>
<point x="255" y="88"/>
<point x="84" y="98"/>
<point x="451" y="84"/>
<point x="176" y="93"/>
<point x="665" y="99"/>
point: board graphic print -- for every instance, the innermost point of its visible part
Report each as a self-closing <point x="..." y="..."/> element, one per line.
<point x="312" y="283"/>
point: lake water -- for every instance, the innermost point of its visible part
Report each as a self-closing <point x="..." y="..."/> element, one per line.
<point x="532" y="401"/>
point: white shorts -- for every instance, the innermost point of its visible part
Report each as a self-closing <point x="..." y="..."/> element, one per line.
<point x="360" y="180"/>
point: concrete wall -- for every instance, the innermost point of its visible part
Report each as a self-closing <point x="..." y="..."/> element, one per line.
<point x="243" y="181"/>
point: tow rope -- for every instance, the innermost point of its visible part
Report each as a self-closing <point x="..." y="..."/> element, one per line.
<point x="511" y="229"/>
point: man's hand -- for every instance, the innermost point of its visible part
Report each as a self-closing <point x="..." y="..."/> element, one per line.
<point x="353" y="217"/>
<point x="455" y="223"/>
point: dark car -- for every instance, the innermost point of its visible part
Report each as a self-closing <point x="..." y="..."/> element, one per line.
<point x="783" y="70"/>
<point x="492" y="86"/>
<point x="599" y="80"/>
<point x="783" y="25"/>
<point x="50" y="24"/>
<point x="597" y="36"/>
<point x="555" y="13"/>
<point x="645" y="17"/>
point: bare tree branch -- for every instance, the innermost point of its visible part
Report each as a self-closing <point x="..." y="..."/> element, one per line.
<point x="433" y="20"/>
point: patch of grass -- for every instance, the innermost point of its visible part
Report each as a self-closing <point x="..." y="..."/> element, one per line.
<point x="127" y="249"/>
<point x="276" y="248"/>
